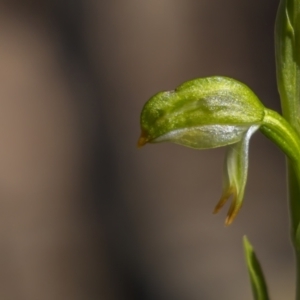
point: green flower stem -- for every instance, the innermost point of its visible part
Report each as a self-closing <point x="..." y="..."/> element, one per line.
<point x="276" y="128"/>
<point x="284" y="135"/>
<point x="287" y="38"/>
<point x="294" y="196"/>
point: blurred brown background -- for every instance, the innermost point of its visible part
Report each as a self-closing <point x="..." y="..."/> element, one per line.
<point x="83" y="213"/>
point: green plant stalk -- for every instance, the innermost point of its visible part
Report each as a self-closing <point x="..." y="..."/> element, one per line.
<point x="287" y="34"/>
<point x="279" y="131"/>
<point x="285" y="136"/>
<point x="294" y="196"/>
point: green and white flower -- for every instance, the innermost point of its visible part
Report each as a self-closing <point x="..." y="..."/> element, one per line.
<point x="215" y="112"/>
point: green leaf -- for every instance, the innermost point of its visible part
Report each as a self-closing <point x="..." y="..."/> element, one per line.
<point x="259" y="287"/>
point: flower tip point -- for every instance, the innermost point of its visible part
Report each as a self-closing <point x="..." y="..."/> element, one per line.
<point x="216" y="210"/>
<point x="221" y="203"/>
<point x="233" y="211"/>
<point x="228" y="220"/>
<point x="143" y="140"/>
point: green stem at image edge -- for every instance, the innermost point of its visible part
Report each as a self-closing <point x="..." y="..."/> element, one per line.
<point x="287" y="43"/>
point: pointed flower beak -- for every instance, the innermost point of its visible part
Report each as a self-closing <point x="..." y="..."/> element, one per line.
<point x="143" y="139"/>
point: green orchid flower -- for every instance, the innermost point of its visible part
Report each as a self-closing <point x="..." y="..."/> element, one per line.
<point x="202" y="113"/>
<point x="215" y="112"/>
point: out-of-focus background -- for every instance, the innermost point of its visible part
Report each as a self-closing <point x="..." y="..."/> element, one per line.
<point x="84" y="214"/>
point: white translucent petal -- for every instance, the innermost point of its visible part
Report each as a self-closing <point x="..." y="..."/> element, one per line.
<point x="205" y="137"/>
<point x="236" y="171"/>
<point x="236" y="161"/>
